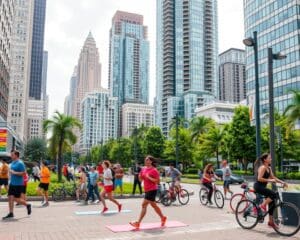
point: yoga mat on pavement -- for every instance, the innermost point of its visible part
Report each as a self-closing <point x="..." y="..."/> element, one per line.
<point x="145" y="226"/>
<point x="99" y="212"/>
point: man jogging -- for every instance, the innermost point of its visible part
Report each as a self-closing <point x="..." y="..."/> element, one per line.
<point x="17" y="170"/>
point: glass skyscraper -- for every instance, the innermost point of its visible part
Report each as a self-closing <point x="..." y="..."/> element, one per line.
<point x="187" y="52"/>
<point x="278" y="26"/>
<point x="129" y="58"/>
<point x="37" y="52"/>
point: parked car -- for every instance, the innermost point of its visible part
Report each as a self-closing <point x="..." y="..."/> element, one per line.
<point x="233" y="178"/>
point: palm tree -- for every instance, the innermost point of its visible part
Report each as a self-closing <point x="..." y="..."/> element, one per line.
<point x="61" y="128"/>
<point x="198" y="126"/>
<point x="293" y="110"/>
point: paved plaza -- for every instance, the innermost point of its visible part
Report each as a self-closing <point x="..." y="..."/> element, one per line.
<point x="59" y="222"/>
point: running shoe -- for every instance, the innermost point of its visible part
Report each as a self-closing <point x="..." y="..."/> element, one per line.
<point x="96" y="201"/>
<point x="119" y="207"/>
<point x="28" y="209"/>
<point x="136" y="225"/>
<point x="163" y="221"/>
<point x="104" y="210"/>
<point x="8" y="216"/>
<point x="45" y="204"/>
<point x="273" y="225"/>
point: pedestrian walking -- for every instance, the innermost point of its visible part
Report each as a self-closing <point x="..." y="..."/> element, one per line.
<point x="17" y="170"/>
<point x="226" y="178"/>
<point x="108" y="187"/>
<point x="150" y="175"/>
<point x="44" y="184"/>
<point x="136" y="181"/>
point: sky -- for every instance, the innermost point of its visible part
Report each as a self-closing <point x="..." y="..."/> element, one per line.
<point x="68" y="23"/>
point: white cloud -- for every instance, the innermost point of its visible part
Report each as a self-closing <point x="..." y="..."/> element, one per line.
<point x="68" y="23"/>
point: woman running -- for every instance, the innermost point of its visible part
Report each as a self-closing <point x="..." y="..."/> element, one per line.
<point x="150" y="176"/>
<point x="207" y="179"/>
<point x="108" y="187"/>
<point x="265" y="176"/>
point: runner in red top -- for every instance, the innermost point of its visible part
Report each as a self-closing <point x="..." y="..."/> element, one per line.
<point x="150" y="176"/>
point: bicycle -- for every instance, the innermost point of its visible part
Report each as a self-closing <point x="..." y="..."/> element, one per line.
<point x="161" y="192"/>
<point x="218" y="196"/>
<point x="248" y="193"/>
<point x="286" y="215"/>
<point x="60" y="194"/>
<point x="172" y="195"/>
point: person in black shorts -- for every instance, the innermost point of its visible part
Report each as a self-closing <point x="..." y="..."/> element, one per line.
<point x="265" y="176"/>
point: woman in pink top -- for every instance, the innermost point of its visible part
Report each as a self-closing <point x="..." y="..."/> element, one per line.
<point x="150" y="176"/>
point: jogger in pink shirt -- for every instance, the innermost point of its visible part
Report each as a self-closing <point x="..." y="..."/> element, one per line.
<point x="150" y="176"/>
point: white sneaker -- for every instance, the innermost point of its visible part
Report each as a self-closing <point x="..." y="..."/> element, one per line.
<point x="90" y="201"/>
<point x="97" y="201"/>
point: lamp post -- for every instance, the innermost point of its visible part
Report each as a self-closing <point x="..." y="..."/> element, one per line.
<point x="252" y="42"/>
<point x="101" y="150"/>
<point x="271" y="57"/>
<point x="177" y="147"/>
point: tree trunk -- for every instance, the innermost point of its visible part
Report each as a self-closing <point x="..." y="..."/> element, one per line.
<point x="59" y="162"/>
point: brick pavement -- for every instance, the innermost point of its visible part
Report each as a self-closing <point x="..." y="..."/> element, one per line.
<point x="59" y="222"/>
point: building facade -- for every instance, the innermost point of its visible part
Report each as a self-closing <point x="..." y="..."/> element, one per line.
<point x="20" y="67"/>
<point x="128" y="58"/>
<point x="232" y="75"/>
<point x="37" y="50"/>
<point x="36" y="116"/>
<point x="44" y="75"/>
<point x="134" y="115"/>
<point x="7" y="13"/>
<point x="277" y="26"/>
<point x="99" y="116"/>
<point x="187" y="51"/>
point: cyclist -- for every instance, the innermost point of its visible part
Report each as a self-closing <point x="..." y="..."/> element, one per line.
<point x="208" y="177"/>
<point x="265" y="176"/>
<point x="175" y="175"/>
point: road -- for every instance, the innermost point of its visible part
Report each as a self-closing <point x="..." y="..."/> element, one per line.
<point x="59" y="222"/>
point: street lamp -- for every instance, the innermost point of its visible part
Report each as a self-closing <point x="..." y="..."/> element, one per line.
<point x="252" y="42"/>
<point x="177" y="147"/>
<point x="271" y="57"/>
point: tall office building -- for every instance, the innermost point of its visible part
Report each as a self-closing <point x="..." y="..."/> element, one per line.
<point x="88" y="75"/>
<point x="44" y="75"/>
<point x="99" y="116"/>
<point x="128" y="58"/>
<point x="134" y="115"/>
<point x="232" y="75"/>
<point x="7" y="11"/>
<point x="187" y="51"/>
<point x="20" y="67"/>
<point x="277" y="26"/>
<point x="72" y="93"/>
<point x="35" y="118"/>
<point x="39" y="17"/>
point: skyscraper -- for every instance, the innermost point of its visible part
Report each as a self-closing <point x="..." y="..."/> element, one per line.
<point x="20" y="67"/>
<point x="128" y="58"/>
<point x="7" y="10"/>
<point x="39" y="17"/>
<point x="187" y="48"/>
<point x="277" y="26"/>
<point x="44" y="75"/>
<point x="88" y="75"/>
<point x="232" y="75"/>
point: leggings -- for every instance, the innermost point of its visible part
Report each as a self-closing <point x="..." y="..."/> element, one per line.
<point x="261" y="189"/>
<point x="210" y="190"/>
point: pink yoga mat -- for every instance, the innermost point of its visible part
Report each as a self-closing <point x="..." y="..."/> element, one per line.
<point x="145" y="226"/>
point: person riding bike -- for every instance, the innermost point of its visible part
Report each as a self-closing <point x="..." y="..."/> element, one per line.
<point x="209" y="176"/>
<point x="265" y="176"/>
<point x="175" y="175"/>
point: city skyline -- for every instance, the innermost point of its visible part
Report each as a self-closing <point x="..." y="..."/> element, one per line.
<point x="62" y="38"/>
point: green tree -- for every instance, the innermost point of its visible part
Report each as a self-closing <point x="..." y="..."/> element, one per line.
<point x="199" y="126"/>
<point x="121" y="152"/>
<point x="293" y="110"/>
<point x="241" y="137"/>
<point x="154" y="142"/>
<point x="62" y="137"/>
<point x="35" y="150"/>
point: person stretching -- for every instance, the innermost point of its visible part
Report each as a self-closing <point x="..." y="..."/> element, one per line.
<point x="150" y="176"/>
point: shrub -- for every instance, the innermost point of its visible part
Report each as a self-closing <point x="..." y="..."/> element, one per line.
<point x="191" y="171"/>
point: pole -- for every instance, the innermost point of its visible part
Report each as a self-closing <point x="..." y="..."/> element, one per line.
<point x="101" y="150"/>
<point x="257" y="100"/>
<point x="177" y="149"/>
<point x="271" y="112"/>
<point x="135" y="145"/>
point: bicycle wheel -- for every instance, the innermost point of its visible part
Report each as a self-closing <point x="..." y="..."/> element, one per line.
<point x="203" y="196"/>
<point x="235" y="199"/>
<point x="166" y="199"/>
<point x="246" y="214"/>
<point x="58" y="194"/>
<point x="183" y="197"/>
<point x="219" y="199"/>
<point x="287" y="217"/>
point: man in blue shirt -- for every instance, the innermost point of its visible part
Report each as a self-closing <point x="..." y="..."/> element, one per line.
<point x="17" y="171"/>
<point x="93" y="185"/>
